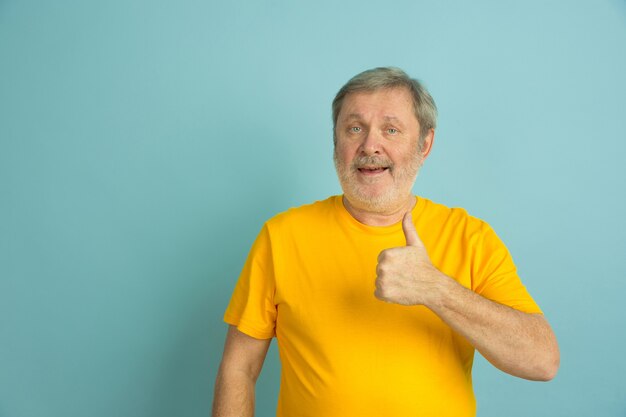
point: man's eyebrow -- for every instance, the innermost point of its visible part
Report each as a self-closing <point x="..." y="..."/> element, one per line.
<point x="393" y="119"/>
<point x="353" y="116"/>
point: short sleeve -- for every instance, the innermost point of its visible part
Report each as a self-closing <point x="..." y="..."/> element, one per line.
<point x="252" y="309"/>
<point x="495" y="275"/>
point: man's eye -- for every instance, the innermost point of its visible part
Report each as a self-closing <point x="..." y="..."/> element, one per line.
<point x="355" y="129"/>
<point x="392" y="131"/>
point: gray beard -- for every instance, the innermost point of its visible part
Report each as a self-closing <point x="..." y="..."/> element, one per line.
<point x="382" y="202"/>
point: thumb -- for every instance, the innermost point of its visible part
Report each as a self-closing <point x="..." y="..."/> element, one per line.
<point x="410" y="234"/>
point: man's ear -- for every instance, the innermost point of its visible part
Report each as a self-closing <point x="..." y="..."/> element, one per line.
<point x="429" y="139"/>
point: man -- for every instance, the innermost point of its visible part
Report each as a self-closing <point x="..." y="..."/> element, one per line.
<point x="378" y="298"/>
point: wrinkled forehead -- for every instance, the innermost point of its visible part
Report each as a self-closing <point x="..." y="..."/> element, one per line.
<point x="388" y="104"/>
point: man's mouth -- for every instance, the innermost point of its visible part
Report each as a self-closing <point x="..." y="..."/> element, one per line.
<point x="372" y="170"/>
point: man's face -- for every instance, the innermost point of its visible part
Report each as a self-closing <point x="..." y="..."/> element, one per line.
<point x="376" y="150"/>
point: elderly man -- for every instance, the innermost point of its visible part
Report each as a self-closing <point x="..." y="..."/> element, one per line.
<point x="378" y="298"/>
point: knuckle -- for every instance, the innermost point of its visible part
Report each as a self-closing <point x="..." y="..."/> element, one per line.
<point x="377" y="283"/>
<point x="380" y="282"/>
<point x="380" y="294"/>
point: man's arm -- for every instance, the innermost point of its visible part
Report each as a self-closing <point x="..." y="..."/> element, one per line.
<point x="518" y="343"/>
<point x="515" y="342"/>
<point x="240" y="367"/>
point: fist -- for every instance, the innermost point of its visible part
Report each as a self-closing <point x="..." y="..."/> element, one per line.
<point x="405" y="275"/>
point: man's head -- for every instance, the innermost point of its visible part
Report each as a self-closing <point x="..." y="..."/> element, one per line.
<point x="386" y="78"/>
<point x="383" y="130"/>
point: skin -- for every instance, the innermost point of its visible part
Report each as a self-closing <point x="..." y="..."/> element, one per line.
<point x="377" y="160"/>
<point x="240" y="367"/>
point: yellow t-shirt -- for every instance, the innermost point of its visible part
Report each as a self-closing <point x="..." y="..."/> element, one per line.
<point x="309" y="281"/>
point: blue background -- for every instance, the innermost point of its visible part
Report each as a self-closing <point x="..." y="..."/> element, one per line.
<point x="143" y="143"/>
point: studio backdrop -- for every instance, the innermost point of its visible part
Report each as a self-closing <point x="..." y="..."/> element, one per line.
<point x="144" y="143"/>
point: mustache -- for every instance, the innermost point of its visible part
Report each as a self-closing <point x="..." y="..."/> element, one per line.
<point x="368" y="161"/>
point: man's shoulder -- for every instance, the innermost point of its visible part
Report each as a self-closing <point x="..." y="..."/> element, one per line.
<point x="445" y="215"/>
<point x="305" y="214"/>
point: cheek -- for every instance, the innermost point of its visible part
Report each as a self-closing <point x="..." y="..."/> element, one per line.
<point x="343" y="154"/>
<point x="405" y="156"/>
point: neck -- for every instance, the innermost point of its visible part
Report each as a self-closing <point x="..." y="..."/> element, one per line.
<point x="389" y="216"/>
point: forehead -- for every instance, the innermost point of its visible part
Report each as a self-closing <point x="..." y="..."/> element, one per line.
<point x="389" y="103"/>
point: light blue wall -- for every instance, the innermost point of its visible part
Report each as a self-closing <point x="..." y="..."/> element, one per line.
<point x="143" y="143"/>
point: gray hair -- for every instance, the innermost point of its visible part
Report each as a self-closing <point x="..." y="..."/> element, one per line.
<point x="391" y="77"/>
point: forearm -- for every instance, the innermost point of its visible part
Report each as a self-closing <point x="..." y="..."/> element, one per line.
<point x="234" y="395"/>
<point x="240" y="367"/>
<point x="515" y="342"/>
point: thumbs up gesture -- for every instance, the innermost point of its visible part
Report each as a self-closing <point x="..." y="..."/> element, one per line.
<point x="405" y="275"/>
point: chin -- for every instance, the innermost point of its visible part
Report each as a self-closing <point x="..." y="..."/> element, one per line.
<point x="374" y="202"/>
<point x="377" y="196"/>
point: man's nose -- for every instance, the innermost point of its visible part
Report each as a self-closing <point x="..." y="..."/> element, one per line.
<point x="372" y="143"/>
